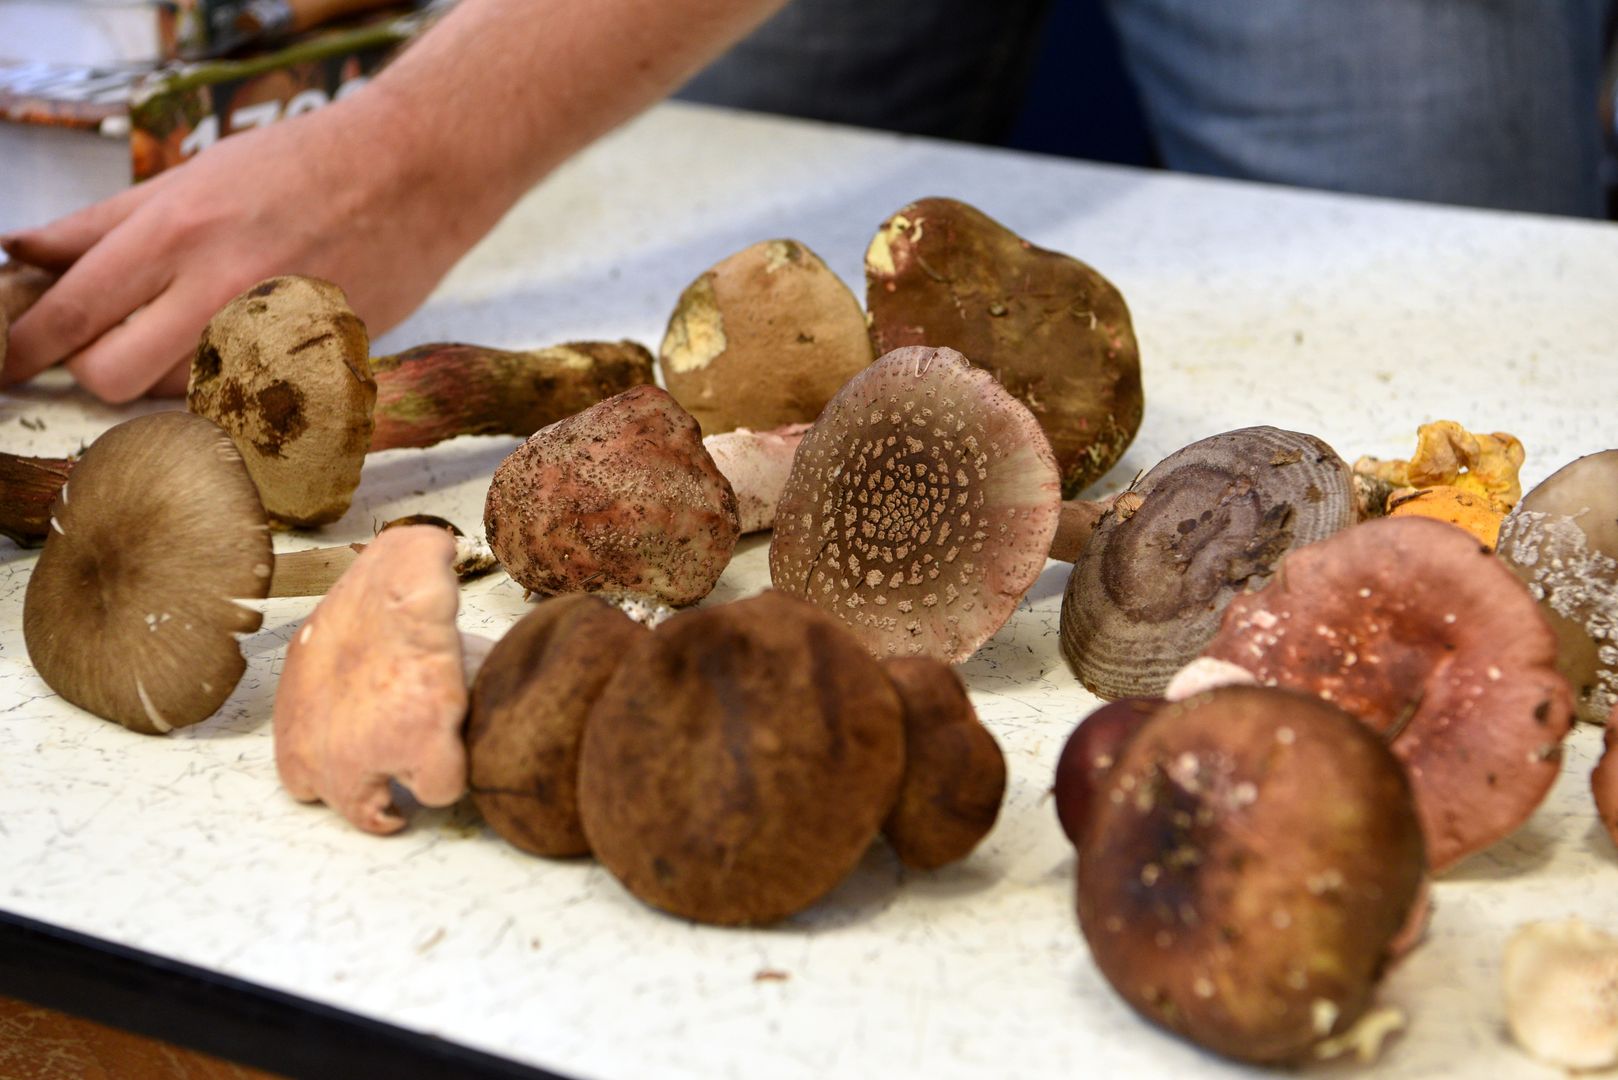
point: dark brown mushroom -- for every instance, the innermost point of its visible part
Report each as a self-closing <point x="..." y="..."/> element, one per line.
<point x="1412" y="626"/>
<point x="526" y="723"/>
<point x="1054" y="331"/>
<point x="920" y="507"/>
<point x="131" y="609"/>
<point x="28" y="487"/>
<point x="1089" y="754"/>
<point x="1253" y="853"/>
<point x="954" y="774"/>
<point x="1213" y="519"/>
<point x="740" y="761"/>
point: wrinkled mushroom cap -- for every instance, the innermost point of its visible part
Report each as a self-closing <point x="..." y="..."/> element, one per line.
<point x="1253" y="854"/>
<point x="1410" y="625"/>
<point x="130" y="611"/>
<point x="740" y="761"/>
<point x="920" y="506"/>
<point x="285" y="369"/>
<point x="1213" y="520"/>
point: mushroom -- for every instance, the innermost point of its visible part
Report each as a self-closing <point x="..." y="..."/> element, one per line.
<point x="312" y="571"/>
<point x="920" y="506"/>
<point x="285" y="369"/>
<point x="373" y="688"/>
<point x="619" y="499"/>
<point x="1448" y="455"/>
<point x="1450" y="504"/>
<point x="131" y="609"/>
<point x="1561" y="1007"/>
<point x="740" y="761"/>
<point x="1213" y="519"/>
<point x="1053" y="331"/>
<point x="1088" y="755"/>
<point x="1604" y="780"/>
<point x="1562" y="540"/>
<point x="757" y="464"/>
<point x="1414" y="628"/>
<point x="528" y="710"/>
<point x="28" y="487"/>
<point x="763" y="339"/>
<point x="954" y="772"/>
<point x="1252" y="854"/>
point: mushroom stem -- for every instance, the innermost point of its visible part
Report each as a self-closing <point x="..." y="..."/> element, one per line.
<point x="313" y="571"/>
<point x="28" y="487"/>
<point x="435" y="392"/>
<point x="1078" y="521"/>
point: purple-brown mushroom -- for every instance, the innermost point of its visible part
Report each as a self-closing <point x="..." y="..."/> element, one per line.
<point x="1604" y="779"/>
<point x="1088" y="755"/>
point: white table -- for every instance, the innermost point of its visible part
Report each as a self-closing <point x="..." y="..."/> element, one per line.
<point x="1349" y="318"/>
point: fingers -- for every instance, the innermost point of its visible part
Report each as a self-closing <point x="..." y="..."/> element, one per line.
<point x="58" y="245"/>
<point x="174" y="383"/>
<point x="150" y="351"/>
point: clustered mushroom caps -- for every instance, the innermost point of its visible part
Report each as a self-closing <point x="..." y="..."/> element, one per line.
<point x="763" y="339"/>
<point x="1054" y="331"/>
<point x="1212" y="520"/>
<point x="1251" y="857"/>
<point x="374" y="685"/>
<point x="618" y="499"/>
<point x="160" y="525"/>
<point x="1414" y="628"/>
<point x="920" y="506"/>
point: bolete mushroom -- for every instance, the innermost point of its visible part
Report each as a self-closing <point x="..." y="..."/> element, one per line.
<point x="1251" y="857"/>
<point x="131" y="610"/>
<point x="618" y="499"/>
<point x="740" y="761"/>
<point x="763" y="339"/>
<point x="1212" y="520"/>
<point x="920" y="506"/>
<point x="1054" y="331"/>
<point x="373" y="689"/>
<point x="1558" y="979"/>
<point x="285" y="368"/>
<point x="528" y="710"/>
<point x="1562" y="540"/>
<point x="1418" y="631"/>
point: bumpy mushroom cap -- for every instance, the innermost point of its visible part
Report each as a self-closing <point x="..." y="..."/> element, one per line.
<point x="529" y="704"/>
<point x="955" y="774"/>
<point x="1414" y="628"/>
<point x="1053" y="330"/>
<point x="131" y="609"/>
<point x="920" y="506"/>
<point x="1089" y="754"/>
<point x="285" y="369"/>
<point x="1563" y="541"/>
<point x="1558" y="979"/>
<point x="757" y="464"/>
<point x="373" y="687"/>
<point x="1253" y="854"/>
<point x="763" y="339"/>
<point x="620" y="499"/>
<point x="1213" y="520"/>
<point x="740" y="761"/>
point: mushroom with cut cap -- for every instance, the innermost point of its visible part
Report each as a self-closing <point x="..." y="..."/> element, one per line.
<point x="1558" y="979"/>
<point x="1253" y="853"/>
<point x="374" y="686"/>
<point x="1414" y="628"/>
<point x="920" y="506"/>
<point x="1212" y="520"/>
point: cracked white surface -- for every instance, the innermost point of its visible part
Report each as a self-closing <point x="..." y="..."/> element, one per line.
<point x="1351" y="319"/>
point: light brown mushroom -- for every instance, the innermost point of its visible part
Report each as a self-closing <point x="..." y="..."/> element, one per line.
<point x="920" y="506"/>
<point x="1558" y="980"/>
<point x="374" y="689"/>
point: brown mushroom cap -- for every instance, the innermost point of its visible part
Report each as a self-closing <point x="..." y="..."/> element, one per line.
<point x="526" y="723"/>
<point x="1214" y="519"/>
<point x="620" y="498"/>
<point x="920" y="506"/>
<point x="1563" y="541"/>
<point x="763" y="339"/>
<point x="954" y="775"/>
<point x="1604" y="778"/>
<point x="1055" y="332"/>
<point x="1412" y="626"/>
<point x="1089" y="754"/>
<point x="285" y="369"/>
<point x="740" y="761"/>
<point x="1253" y="854"/>
<point x="131" y="609"/>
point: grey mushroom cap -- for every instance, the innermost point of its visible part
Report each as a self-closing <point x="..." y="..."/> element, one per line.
<point x="131" y="610"/>
<point x="1213" y="520"/>
<point x="920" y="506"/>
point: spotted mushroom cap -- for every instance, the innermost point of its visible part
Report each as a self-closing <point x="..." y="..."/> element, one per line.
<point x="1412" y="626"/>
<point x="285" y="369"/>
<point x="1213" y="520"/>
<point x="131" y="610"/>
<point x="920" y="506"/>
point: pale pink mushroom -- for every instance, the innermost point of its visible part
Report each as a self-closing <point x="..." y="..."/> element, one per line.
<point x="373" y="688"/>
<point x="757" y="464"/>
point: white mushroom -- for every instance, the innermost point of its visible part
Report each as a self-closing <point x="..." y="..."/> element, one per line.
<point x="1561" y="988"/>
